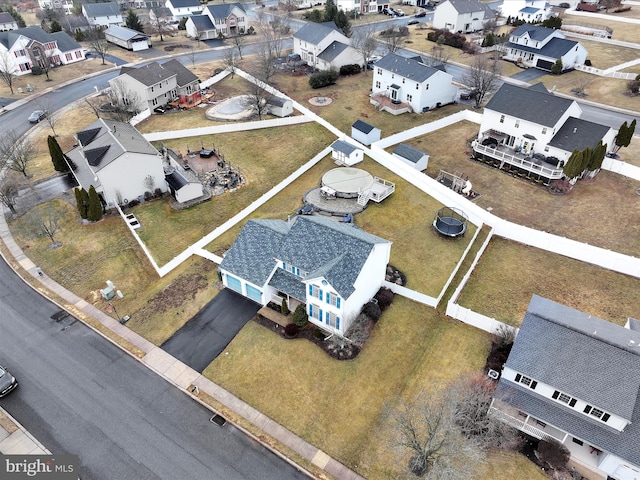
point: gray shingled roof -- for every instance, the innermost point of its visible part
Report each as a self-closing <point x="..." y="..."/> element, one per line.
<point x="555" y="48"/>
<point x="36" y="33"/>
<point x="277" y="101"/>
<point x="314" y="33"/>
<point x="65" y="42"/>
<point x="578" y="134"/>
<point x="316" y="245"/>
<point x="6" y="18"/>
<point x="184" y="3"/>
<point x="623" y="444"/>
<point x="363" y="127"/>
<point x="332" y="51"/>
<point x="535" y="32"/>
<point x="184" y="76"/>
<point x="405" y="67"/>
<point x="202" y="23"/>
<point x="408" y="152"/>
<point x="344" y="147"/>
<point x="124" y="33"/>
<point x="223" y="10"/>
<point x="101" y="9"/>
<point x="529" y="104"/>
<point x="579" y="354"/>
<point x="252" y="256"/>
<point x="471" y="6"/>
<point x="288" y="283"/>
<point x="149" y="74"/>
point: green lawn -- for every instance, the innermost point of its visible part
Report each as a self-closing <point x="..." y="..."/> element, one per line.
<point x="498" y="288"/>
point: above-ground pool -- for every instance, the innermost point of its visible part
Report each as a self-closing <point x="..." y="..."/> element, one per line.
<point x="234" y="108"/>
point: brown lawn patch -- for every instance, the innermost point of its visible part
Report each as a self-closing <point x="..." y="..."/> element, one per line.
<point x="627" y="32"/>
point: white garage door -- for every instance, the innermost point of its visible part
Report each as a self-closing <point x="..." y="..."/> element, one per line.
<point x="137" y="46"/>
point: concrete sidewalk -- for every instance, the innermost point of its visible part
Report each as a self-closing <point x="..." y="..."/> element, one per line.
<point x="15" y="439"/>
<point x="172" y="370"/>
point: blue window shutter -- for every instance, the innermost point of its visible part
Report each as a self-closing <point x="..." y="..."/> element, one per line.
<point x="338" y="304"/>
<point x="284" y="266"/>
<point x="311" y="290"/>
<point x="338" y="323"/>
<point x="320" y="316"/>
<point x="328" y="297"/>
<point x="320" y="291"/>
<point x="310" y="310"/>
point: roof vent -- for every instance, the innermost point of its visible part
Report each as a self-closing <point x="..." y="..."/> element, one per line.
<point x="575" y="129"/>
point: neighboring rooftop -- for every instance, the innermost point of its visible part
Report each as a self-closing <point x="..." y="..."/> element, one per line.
<point x="408" y="152"/>
<point x="314" y="33"/>
<point x="405" y="67"/>
<point x="124" y="33"/>
<point x="104" y="9"/>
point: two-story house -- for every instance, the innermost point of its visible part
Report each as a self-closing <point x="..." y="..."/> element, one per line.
<point x="183" y="8"/>
<point x="116" y="159"/>
<point x="575" y="378"/>
<point x="324" y="46"/>
<point x="155" y="85"/>
<point x="102" y="14"/>
<point x="542" y="47"/>
<point x="7" y="22"/>
<point x="531" y="11"/>
<point x="519" y="122"/>
<point x="410" y="85"/>
<point x="26" y="47"/>
<point x="462" y="15"/>
<point x="333" y="268"/>
<point x="360" y="6"/>
<point x="221" y="20"/>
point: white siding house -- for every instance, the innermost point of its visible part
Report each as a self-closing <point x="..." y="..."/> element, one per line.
<point x="7" y="22"/>
<point x="462" y="15"/>
<point x="527" y="10"/>
<point x="541" y="47"/>
<point x="102" y="14"/>
<point x="183" y="8"/>
<point x="333" y="268"/>
<point x="324" y="46"/>
<point x="215" y="21"/>
<point x="408" y="81"/>
<point x="116" y="159"/>
<point x="581" y="391"/>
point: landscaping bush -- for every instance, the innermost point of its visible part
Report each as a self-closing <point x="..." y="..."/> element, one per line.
<point x="350" y="69"/>
<point x="372" y="310"/>
<point x="323" y="79"/>
<point x="384" y="298"/>
<point x="291" y="330"/>
<point x="557" y="67"/>
<point x="553" y="453"/>
<point x="455" y="40"/>
<point x="300" y="317"/>
<point x="284" y="308"/>
<point x="359" y="330"/>
<point x="318" y="333"/>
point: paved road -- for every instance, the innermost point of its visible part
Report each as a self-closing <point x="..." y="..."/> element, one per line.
<point x="81" y="395"/>
<point x="207" y="334"/>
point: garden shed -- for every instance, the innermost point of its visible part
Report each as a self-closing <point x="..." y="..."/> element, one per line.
<point x="345" y="153"/>
<point x="412" y="156"/>
<point x="280" y="107"/>
<point x="365" y="133"/>
<point x="182" y="189"/>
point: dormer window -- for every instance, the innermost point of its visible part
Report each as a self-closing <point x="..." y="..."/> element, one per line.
<point x="595" y="412"/>
<point x="564" y="398"/>
<point x="527" y="381"/>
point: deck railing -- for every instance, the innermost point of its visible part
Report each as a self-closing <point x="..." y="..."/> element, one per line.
<point x="521" y="425"/>
<point x="504" y="157"/>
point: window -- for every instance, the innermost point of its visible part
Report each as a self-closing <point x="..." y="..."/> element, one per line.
<point x="501" y="118"/>
<point x="564" y="398"/>
<point x="393" y="75"/>
<point x="294" y="270"/>
<point x="544" y="131"/>
<point x="576" y="441"/>
<point x="541" y="423"/>
<point x="403" y="80"/>
<point x="529" y="382"/>
<point x="518" y="123"/>
<point x="546" y="149"/>
<point x="333" y="299"/>
<point x="315" y="292"/>
<point x="68" y="57"/>
<point x="417" y="86"/>
<point x="377" y="84"/>
<point x="315" y="312"/>
<point x="596" y="412"/>
<point x="332" y="319"/>
<point x="379" y="71"/>
<point x="409" y="97"/>
<point x="426" y="87"/>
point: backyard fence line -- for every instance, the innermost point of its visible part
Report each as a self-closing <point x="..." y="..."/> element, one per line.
<point x="467" y="275"/>
<point x="140" y="242"/>
<point x="606" y="73"/>
<point x="143" y="115"/>
<point x="474" y="319"/>
<point x="411" y="294"/>
<point x="215" y="79"/>
<point x="621" y="168"/>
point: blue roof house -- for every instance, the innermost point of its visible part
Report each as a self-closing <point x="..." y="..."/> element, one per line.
<point x="575" y="378"/>
<point x="333" y="268"/>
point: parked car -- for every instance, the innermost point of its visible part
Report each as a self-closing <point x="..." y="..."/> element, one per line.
<point x="413" y="22"/>
<point x="398" y="11"/>
<point x="7" y="382"/>
<point x="421" y="14"/>
<point x="468" y="94"/>
<point x="564" y="5"/>
<point x="37" y="115"/>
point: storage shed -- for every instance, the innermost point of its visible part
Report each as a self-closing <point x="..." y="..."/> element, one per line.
<point x="345" y="153"/>
<point x="280" y="107"/>
<point x="126" y="38"/>
<point x="182" y="189"/>
<point x="412" y="156"/>
<point x="365" y="133"/>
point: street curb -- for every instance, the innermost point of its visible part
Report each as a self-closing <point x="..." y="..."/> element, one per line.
<point x="25" y="431"/>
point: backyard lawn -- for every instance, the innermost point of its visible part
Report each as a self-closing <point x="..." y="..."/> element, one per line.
<point x="498" y="288"/>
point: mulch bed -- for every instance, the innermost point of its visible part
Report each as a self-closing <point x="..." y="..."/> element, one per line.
<point x="309" y="333"/>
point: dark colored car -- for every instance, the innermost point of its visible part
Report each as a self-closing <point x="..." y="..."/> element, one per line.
<point x="468" y="94"/>
<point x="37" y="115"/>
<point x="413" y="22"/>
<point x="420" y="14"/>
<point x="7" y="382"/>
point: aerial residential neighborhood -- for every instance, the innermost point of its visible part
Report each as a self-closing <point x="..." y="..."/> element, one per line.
<point x="380" y="240"/>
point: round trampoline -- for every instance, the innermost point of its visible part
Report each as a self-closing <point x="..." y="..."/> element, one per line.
<point x="347" y="181"/>
<point x="450" y="222"/>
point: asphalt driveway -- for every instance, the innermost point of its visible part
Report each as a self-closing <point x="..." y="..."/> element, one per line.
<point x="529" y="75"/>
<point x="207" y="334"/>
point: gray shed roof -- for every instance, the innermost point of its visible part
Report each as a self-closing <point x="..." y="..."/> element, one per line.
<point x="202" y="23"/>
<point x="529" y="104"/>
<point x="363" y="127"/>
<point x="555" y="48"/>
<point x="406" y="67"/>
<point x="176" y="180"/>
<point x="149" y="74"/>
<point x="580" y="134"/>
<point x="579" y="354"/>
<point x="223" y="10"/>
<point x="332" y="51"/>
<point x="124" y="33"/>
<point x="65" y="42"/>
<point x="103" y="9"/>
<point x="278" y="101"/>
<point x="409" y="153"/>
<point x="623" y="444"/>
<point x="316" y="245"/>
<point x="314" y="33"/>
<point x="344" y="147"/>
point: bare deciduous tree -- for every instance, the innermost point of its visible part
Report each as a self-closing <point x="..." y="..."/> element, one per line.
<point x="192" y="54"/>
<point x="7" y="70"/>
<point x="158" y="23"/>
<point x="483" y="76"/>
<point x="149" y="182"/>
<point x="274" y="32"/>
<point x="580" y="85"/>
<point x="98" y="43"/>
<point x="15" y="152"/>
<point x="439" y="56"/>
<point x="125" y="103"/>
<point x="364" y="41"/>
<point x="426" y="434"/>
<point x="230" y="60"/>
<point x="266" y="66"/>
<point x="9" y="189"/>
<point x="45" y="221"/>
<point x="392" y="38"/>
<point x="239" y="42"/>
<point x="257" y="97"/>
<point x="92" y="104"/>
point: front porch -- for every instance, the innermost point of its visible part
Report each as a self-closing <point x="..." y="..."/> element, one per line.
<point x="526" y="423"/>
<point x="383" y="102"/>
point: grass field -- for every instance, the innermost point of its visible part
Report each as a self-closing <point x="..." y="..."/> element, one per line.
<point x="499" y="276"/>
<point x="627" y="32"/>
